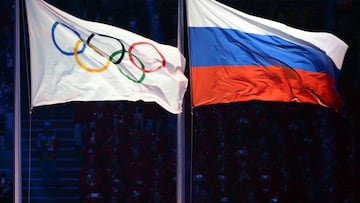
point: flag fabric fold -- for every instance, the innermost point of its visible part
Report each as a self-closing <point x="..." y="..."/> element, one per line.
<point x="78" y="60"/>
<point x="239" y="57"/>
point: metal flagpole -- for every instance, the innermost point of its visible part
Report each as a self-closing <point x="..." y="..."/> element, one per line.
<point x="180" y="166"/>
<point x="17" y="112"/>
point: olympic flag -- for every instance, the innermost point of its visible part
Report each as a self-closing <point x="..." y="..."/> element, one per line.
<point x="238" y="57"/>
<point x="77" y="60"/>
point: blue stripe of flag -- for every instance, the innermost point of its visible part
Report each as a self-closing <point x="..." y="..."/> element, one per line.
<point x="212" y="46"/>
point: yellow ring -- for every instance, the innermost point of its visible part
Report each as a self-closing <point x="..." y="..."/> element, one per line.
<point x="89" y="69"/>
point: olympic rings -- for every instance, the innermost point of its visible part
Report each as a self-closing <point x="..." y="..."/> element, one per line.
<point x="132" y="57"/>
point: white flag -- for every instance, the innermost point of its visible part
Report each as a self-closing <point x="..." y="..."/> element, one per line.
<point x="77" y="60"/>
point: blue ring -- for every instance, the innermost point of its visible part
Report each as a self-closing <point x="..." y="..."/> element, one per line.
<point x="57" y="46"/>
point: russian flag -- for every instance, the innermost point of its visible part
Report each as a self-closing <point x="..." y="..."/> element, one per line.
<point x="239" y="57"/>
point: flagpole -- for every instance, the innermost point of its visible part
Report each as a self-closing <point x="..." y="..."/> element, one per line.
<point x="17" y="113"/>
<point x="180" y="166"/>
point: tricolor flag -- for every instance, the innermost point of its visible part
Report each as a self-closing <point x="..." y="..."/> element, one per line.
<point x="77" y="60"/>
<point x="239" y="57"/>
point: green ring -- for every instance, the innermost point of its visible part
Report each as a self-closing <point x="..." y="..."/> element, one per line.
<point x="142" y="66"/>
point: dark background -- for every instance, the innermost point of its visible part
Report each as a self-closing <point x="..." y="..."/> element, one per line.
<point x="212" y="137"/>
